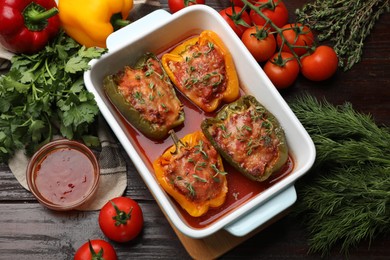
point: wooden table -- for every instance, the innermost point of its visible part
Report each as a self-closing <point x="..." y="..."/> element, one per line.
<point x="29" y="231"/>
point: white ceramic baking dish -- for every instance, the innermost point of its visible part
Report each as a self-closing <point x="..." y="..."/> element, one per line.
<point x="154" y="33"/>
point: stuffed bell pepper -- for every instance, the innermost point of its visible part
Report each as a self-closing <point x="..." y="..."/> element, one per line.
<point x="249" y="137"/>
<point x="191" y="171"/>
<point x="202" y="69"/>
<point x="145" y="97"/>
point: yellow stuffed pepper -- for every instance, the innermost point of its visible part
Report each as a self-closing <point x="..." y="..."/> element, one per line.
<point x="202" y="68"/>
<point x="191" y="171"/>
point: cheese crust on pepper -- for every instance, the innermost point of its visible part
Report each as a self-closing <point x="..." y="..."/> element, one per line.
<point x="145" y="97"/>
<point x="191" y="171"/>
<point x="202" y="68"/>
<point x="249" y="137"/>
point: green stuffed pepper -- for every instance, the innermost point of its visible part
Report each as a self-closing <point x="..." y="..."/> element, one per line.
<point x="144" y="95"/>
<point x="248" y="137"/>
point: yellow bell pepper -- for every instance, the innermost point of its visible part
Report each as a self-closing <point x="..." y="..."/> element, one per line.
<point x="191" y="171"/>
<point x="90" y="22"/>
<point x="195" y="68"/>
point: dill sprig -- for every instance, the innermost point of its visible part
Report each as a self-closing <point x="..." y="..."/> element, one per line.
<point x="345" y="198"/>
<point x="345" y="23"/>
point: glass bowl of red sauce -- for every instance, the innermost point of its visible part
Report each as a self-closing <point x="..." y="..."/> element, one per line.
<point x="63" y="174"/>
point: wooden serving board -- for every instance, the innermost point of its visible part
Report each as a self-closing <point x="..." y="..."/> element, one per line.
<point x="216" y="245"/>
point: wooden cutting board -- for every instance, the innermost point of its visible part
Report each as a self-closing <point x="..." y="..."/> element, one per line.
<point x="216" y="245"/>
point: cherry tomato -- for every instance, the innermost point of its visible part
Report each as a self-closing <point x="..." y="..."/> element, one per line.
<point x="259" y="42"/>
<point x="319" y="65"/>
<point x="298" y="35"/>
<point x="121" y="219"/>
<point x="237" y="18"/>
<point x="240" y="3"/>
<point x="237" y="3"/>
<point x="275" y="10"/>
<point x="96" y="249"/>
<point x="282" y="69"/>
<point x="176" y="5"/>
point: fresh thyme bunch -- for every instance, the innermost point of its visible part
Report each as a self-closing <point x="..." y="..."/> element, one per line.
<point x="345" y="23"/>
<point x="345" y="198"/>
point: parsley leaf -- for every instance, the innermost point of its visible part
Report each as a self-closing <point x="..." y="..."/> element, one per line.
<point x="44" y="94"/>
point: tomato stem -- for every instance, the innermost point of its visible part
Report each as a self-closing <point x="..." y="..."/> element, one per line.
<point x="236" y="17"/>
<point x="95" y="255"/>
<point x="260" y="34"/>
<point x="187" y="2"/>
<point x="279" y="61"/>
<point x="121" y="216"/>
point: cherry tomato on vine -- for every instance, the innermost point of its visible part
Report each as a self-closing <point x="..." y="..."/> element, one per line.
<point x="275" y="10"/>
<point x="237" y="3"/>
<point x="121" y="219"/>
<point x="96" y="249"/>
<point x="259" y="42"/>
<point x="237" y="18"/>
<point x="319" y="65"/>
<point x="282" y="69"/>
<point x="176" y="5"/>
<point x="298" y="35"/>
<point x="240" y="3"/>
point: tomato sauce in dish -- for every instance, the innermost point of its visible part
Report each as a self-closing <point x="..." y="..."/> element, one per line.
<point x="63" y="176"/>
<point x="240" y="188"/>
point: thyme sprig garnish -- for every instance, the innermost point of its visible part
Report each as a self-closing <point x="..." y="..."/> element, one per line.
<point x="196" y="177"/>
<point x="217" y="171"/>
<point x="345" y="199"/>
<point x="345" y="23"/>
<point x="199" y="149"/>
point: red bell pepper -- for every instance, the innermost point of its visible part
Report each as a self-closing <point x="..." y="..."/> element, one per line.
<point x="26" y="26"/>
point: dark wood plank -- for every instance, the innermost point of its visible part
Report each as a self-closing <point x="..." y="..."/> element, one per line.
<point x="29" y="231"/>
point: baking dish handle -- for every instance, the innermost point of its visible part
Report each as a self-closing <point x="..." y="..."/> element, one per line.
<point x="138" y="28"/>
<point x="263" y="213"/>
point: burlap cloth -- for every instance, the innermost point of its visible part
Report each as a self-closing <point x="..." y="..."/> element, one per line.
<point x="113" y="168"/>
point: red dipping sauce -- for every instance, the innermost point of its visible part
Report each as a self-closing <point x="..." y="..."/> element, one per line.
<point x="63" y="174"/>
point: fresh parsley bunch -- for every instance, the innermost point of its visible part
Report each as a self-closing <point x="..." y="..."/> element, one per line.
<point x="44" y="94"/>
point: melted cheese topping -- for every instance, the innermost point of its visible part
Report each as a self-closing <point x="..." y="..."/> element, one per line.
<point x="202" y="74"/>
<point x="194" y="172"/>
<point x="249" y="140"/>
<point x="150" y="93"/>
